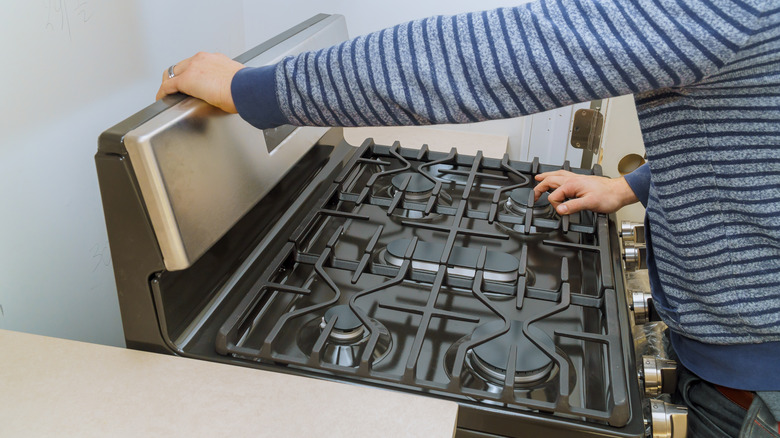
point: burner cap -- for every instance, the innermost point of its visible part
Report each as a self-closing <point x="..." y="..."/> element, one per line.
<point x="520" y="196"/>
<point x="417" y="184"/>
<point x="347" y="321"/>
<point x="343" y="347"/>
<point x="494" y="353"/>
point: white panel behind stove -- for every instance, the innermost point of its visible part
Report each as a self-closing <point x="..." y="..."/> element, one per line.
<point x="622" y="136"/>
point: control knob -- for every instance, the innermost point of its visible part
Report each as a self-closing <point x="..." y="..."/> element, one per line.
<point x="668" y="420"/>
<point x="632" y="232"/>
<point x="635" y="256"/>
<point x="642" y="306"/>
<point x="660" y="375"/>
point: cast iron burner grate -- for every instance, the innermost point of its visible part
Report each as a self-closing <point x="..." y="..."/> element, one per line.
<point x="448" y="305"/>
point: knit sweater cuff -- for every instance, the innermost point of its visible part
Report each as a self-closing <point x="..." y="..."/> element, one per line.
<point x="639" y="181"/>
<point x="254" y="94"/>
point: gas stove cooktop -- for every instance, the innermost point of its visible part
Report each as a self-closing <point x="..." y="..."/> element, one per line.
<point x="439" y="273"/>
<point x="427" y="272"/>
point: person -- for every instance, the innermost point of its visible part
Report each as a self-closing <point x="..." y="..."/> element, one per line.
<point x="705" y="75"/>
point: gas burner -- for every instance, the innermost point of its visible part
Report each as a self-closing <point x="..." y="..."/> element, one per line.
<point x="489" y="360"/>
<point x="347" y="340"/>
<point x="419" y="188"/>
<point x="484" y="367"/>
<point x="347" y="328"/>
<point x="517" y="203"/>
<point x="499" y="267"/>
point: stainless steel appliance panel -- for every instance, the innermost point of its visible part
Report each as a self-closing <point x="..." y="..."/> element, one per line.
<point x="200" y="169"/>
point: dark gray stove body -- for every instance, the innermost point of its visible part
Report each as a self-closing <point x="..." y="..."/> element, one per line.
<point x="426" y="272"/>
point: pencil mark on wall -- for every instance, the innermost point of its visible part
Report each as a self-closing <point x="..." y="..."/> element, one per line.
<point x="62" y="15"/>
<point x="101" y="255"/>
<point x="1" y="310"/>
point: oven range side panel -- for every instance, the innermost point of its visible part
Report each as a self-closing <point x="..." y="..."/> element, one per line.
<point x="135" y="253"/>
<point x="635" y="389"/>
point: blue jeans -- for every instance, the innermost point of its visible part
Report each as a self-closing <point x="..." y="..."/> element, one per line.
<point x="712" y="415"/>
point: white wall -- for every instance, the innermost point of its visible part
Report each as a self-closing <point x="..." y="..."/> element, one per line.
<point x="264" y="19"/>
<point x="73" y="68"/>
<point x="622" y="137"/>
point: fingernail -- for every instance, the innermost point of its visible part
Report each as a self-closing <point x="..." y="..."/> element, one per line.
<point x="563" y="209"/>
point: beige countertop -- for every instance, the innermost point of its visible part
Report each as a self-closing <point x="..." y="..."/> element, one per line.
<point x="52" y="387"/>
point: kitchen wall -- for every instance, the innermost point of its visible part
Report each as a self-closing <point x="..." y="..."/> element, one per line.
<point x="71" y="69"/>
<point x="265" y="19"/>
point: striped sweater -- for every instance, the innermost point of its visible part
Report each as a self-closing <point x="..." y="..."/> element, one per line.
<point x="706" y="79"/>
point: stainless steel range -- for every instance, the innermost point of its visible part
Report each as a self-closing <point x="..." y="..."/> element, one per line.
<point x="427" y="272"/>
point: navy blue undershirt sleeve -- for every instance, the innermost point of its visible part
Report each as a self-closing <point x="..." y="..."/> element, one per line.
<point x="254" y="94"/>
<point x="639" y="181"/>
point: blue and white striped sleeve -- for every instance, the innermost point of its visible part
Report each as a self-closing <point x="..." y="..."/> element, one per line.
<point x="496" y="64"/>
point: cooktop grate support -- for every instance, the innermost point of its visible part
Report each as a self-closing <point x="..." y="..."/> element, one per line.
<point x="341" y="204"/>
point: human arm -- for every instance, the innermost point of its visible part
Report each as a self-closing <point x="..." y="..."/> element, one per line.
<point x="496" y="64"/>
<point x="573" y="192"/>
<point x="639" y="181"/>
<point x="493" y="64"/>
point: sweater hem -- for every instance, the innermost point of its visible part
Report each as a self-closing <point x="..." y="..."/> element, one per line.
<point x="749" y="367"/>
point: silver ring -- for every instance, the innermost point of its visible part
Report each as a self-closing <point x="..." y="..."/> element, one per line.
<point x="170" y="71"/>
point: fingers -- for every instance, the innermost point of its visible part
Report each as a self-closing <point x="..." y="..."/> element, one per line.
<point x="570" y="193"/>
<point x="573" y="206"/>
<point x="550" y="180"/>
<point x="206" y="76"/>
<point x="588" y="192"/>
<point x="170" y="85"/>
<point x="167" y="87"/>
<point x="557" y="196"/>
<point x="545" y="186"/>
<point x="570" y="198"/>
<point x="559" y="173"/>
<point x="181" y="66"/>
<point x="181" y="71"/>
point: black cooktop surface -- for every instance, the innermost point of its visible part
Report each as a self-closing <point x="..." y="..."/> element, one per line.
<point x="439" y="273"/>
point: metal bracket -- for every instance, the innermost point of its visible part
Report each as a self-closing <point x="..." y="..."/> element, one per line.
<point x="586" y="130"/>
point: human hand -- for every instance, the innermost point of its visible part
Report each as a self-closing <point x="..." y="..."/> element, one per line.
<point x="206" y="76"/>
<point x="584" y="192"/>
